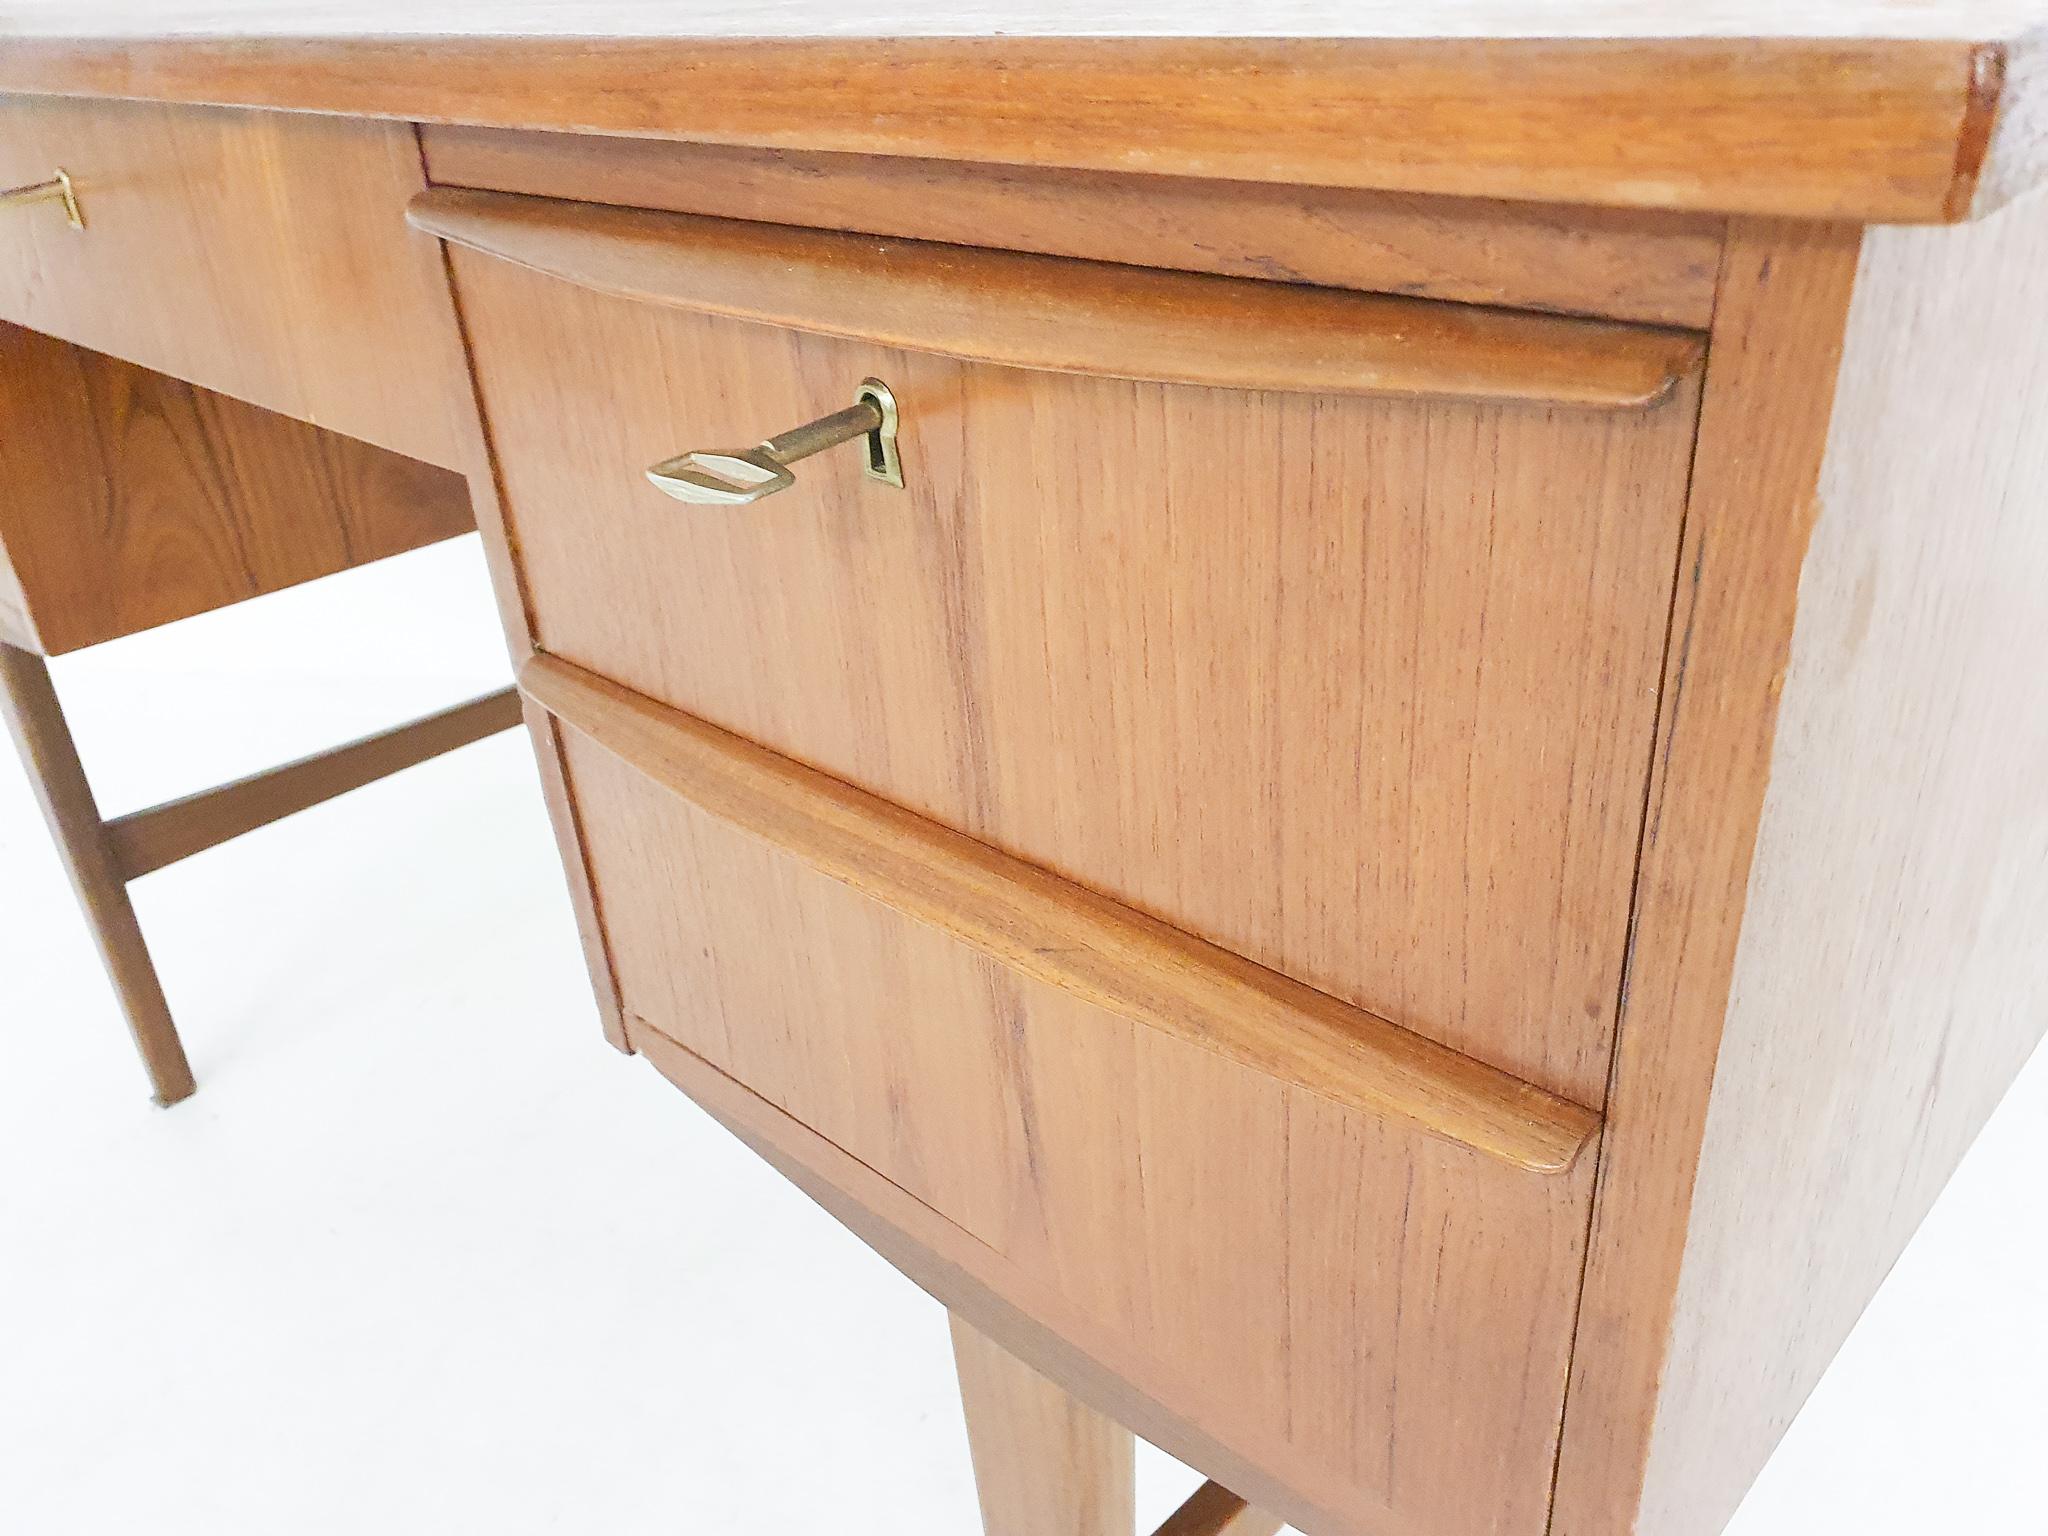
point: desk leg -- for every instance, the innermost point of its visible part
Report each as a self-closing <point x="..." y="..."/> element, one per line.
<point x="1044" y="1464"/>
<point x="47" y="751"/>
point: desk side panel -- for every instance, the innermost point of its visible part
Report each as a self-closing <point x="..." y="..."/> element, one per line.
<point x="1891" y="977"/>
<point x="129" y="499"/>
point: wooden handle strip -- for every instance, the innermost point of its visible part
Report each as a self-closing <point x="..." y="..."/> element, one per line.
<point x="1066" y="315"/>
<point x="1062" y="934"/>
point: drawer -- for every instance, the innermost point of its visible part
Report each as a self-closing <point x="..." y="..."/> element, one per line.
<point x="1333" y="1255"/>
<point x="261" y="255"/>
<point x="1323" y="625"/>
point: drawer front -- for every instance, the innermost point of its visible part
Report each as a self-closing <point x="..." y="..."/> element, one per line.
<point x="1372" y="1311"/>
<point x="1358" y="686"/>
<point x="262" y="255"/>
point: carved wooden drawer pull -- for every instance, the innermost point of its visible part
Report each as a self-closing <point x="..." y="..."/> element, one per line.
<point x="1058" y="314"/>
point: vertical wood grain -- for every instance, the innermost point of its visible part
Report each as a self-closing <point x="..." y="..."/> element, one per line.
<point x="1044" y="1463"/>
<point x="1109" y="622"/>
<point x="1362" y="1309"/>
<point x="1892" y="975"/>
<point x="36" y="721"/>
<point x="1763" y="424"/>
<point x="1022" y="1311"/>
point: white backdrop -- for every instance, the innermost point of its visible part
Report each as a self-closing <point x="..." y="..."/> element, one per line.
<point x="424" y="1256"/>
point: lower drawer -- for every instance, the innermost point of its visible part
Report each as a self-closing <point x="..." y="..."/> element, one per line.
<point x="1343" y="1253"/>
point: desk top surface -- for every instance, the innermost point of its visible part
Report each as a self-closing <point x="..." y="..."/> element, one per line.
<point x="1901" y="20"/>
<point x="1908" y="111"/>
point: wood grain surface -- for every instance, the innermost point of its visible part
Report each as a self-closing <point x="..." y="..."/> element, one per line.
<point x="1866" y="127"/>
<point x="1102" y="319"/>
<point x="149" y="839"/>
<point x="1213" y="1510"/>
<point x="1506" y="19"/>
<point x="1029" y="1317"/>
<point x="1044" y="1464"/>
<point x="1107" y="618"/>
<point x="36" y="721"/>
<point x="1065" y="936"/>
<point x="1892" y="975"/>
<point x="1503" y="19"/>
<point x="262" y="255"/>
<point x="1763" y="424"/>
<point x="1626" y="265"/>
<point x="134" y="499"/>
<point x="1100" y="1159"/>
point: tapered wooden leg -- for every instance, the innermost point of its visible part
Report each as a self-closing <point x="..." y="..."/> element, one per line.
<point x="1044" y="1464"/>
<point x="44" y="740"/>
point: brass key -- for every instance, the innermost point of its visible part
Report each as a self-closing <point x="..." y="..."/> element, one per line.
<point x="736" y="476"/>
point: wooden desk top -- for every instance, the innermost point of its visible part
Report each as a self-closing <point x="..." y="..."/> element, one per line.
<point x="1984" y="20"/>
<point x="1882" y="113"/>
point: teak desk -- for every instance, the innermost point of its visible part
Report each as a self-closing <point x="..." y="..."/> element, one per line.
<point x="1346" y="732"/>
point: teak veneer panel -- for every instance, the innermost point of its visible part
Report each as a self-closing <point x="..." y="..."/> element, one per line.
<point x="1057" y="933"/>
<point x="1101" y="1161"/>
<point x="1892" y="971"/>
<point x="262" y="255"/>
<point x="1103" y="319"/>
<point x="133" y="499"/>
<point x="1656" y="268"/>
<point x="1106" y="618"/>
<point x="1025" y="1315"/>
<point x="1861" y="126"/>
<point x="1837" y="968"/>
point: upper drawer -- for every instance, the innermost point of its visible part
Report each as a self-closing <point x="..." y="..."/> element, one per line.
<point x="1344" y="656"/>
<point x="262" y="255"/>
